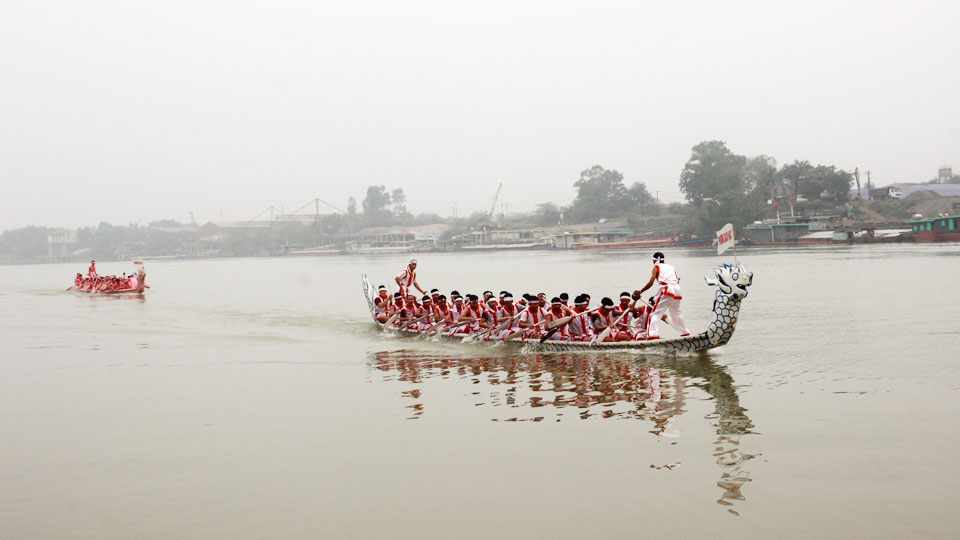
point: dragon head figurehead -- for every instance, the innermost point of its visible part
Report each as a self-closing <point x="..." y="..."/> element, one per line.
<point x="731" y="281"/>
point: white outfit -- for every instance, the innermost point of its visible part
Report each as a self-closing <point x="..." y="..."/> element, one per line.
<point x="667" y="301"/>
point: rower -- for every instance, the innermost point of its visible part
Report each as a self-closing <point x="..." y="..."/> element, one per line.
<point x="458" y="303"/>
<point x="381" y="303"/>
<point x="630" y="318"/>
<point x="565" y="299"/>
<point x="471" y="314"/>
<point x="557" y="311"/>
<point x="508" y="310"/>
<point x="397" y="307"/>
<point x="581" y="327"/>
<point x="435" y="296"/>
<point x="442" y="310"/>
<point x="532" y="318"/>
<point x="408" y="278"/>
<point x="490" y="317"/>
<point x="604" y="318"/>
<point x="667" y="299"/>
<point x="428" y="314"/>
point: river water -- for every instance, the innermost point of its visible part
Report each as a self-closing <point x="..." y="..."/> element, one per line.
<point x="252" y="398"/>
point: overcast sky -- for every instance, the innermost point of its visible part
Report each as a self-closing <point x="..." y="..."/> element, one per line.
<point x="121" y="110"/>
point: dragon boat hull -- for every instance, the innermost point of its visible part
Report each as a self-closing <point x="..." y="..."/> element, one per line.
<point x="731" y="282"/>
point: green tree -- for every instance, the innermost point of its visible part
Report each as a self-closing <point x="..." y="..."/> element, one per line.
<point x="602" y="193"/>
<point x="713" y="172"/>
<point x="546" y="214"/>
<point x="797" y="178"/>
<point x="399" y="202"/>
<point x="377" y="199"/>
<point x="723" y="187"/>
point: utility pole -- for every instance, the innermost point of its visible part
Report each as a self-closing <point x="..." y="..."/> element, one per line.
<point x="868" y="187"/>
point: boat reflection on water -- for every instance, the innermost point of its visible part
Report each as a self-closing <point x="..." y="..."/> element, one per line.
<point x="556" y="387"/>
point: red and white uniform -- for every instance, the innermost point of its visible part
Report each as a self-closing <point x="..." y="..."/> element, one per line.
<point x="627" y="320"/>
<point x="666" y="301"/>
<point x="533" y="316"/>
<point x="92" y="271"/>
<point x="606" y="321"/>
<point x="406" y="278"/>
<point x="640" y="326"/>
<point x="563" y="334"/>
<point x="429" y="317"/>
<point x="581" y="327"/>
<point x="469" y="328"/>
<point x="380" y="306"/>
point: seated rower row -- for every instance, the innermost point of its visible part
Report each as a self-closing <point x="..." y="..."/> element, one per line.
<point x="500" y="317"/>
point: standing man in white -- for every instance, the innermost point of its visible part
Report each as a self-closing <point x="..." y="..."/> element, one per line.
<point x="408" y="278"/>
<point x="667" y="299"/>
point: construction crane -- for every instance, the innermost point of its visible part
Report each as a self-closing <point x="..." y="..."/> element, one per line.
<point x="493" y="206"/>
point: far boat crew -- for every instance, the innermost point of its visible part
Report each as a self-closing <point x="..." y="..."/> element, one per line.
<point x="381" y="303"/>
<point x="92" y="271"/>
<point x="407" y="278"/>
<point x="667" y="298"/>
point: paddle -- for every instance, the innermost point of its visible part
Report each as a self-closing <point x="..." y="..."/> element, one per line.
<point x="418" y="319"/>
<point x="606" y="331"/>
<point x="555" y="326"/>
<point x="521" y="331"/>
<point x="451" y="327"/>
<point x="500" y="327"/>
<point x="389" y="321"/>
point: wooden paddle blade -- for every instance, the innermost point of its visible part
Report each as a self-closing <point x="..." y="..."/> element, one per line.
<point x="404" y="327"/>
<point x="559" y="322"/>
<point x="549" y="334"/>
<point x="391" y="319"/>
<point x="515" y="334"/>
<point x="603" y="335"/>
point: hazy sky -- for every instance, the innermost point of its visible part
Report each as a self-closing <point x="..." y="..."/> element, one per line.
<point x="123" y="110"/>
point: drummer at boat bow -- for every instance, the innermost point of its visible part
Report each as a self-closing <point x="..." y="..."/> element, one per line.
<point x="408" y="278"/>
<point x="667" y="298"/>
<point x="92" y="271"/>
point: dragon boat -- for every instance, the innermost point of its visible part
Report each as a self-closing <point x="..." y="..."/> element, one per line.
<point x="140" y="288"/>
<point x="731" y="283"/>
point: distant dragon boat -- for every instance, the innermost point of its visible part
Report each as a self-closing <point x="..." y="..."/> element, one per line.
<point x="140" y="288"/>
<point x="731" y="284"/>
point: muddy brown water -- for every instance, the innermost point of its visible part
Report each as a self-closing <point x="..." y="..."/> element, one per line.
<point x="252" y="398"/>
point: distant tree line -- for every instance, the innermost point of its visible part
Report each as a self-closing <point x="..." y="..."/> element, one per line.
<point x="722" y="187"/>
<point x="719" y="186"/>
